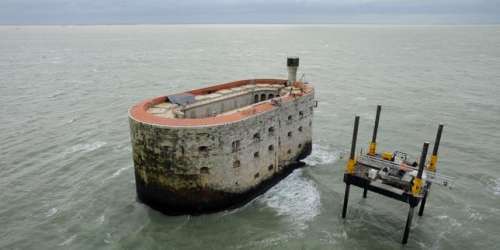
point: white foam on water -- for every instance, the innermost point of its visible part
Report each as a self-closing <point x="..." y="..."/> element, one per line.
<point x="56" y="94"/>
<point x="51" y="212"/>
<point x="116" y="173"/>
<point x="100" y="219"/>
<point x="295" y="197"/>
<point x="70" y="121"/>
<point x="108" y="239"/>
<point x="322" y="155"/>
<point x="333" y="237"/>
<point x="452" y="221"/>
<point x="265" y="243"/>
<point x="442" y="217"/>
<point x="473" y="214"/>
<point x="85" y="147"/>
<point x="68" y="240"/>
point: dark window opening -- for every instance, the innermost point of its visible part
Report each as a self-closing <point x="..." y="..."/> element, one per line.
<point x="271" y="96"/>
<point x="256" y="136"/>
<point x="263" y="97"/>
<point x="256" y="175"/>
<point x="289" y="151"/>
<point x="300" y="128"/>
<point x="300" y="145"/>
<point x="203" y="149"/>
<point x="256" y="99"/>
<point x="271" y="147"/>
<point x="270" y="167"/>
<point x="236" y="164"/>
<point x="204" y="170"/>
<point x="289" y="117"/>
<point x="256" y="155"/>
<point x="236" y="146"/>
<point x="301" y="114"/>
<point x="271" y="131"/>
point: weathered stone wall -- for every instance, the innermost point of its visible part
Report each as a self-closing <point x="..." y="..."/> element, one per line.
<point x="232" y="158"/>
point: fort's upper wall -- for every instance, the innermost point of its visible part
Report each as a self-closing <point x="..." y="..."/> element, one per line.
<point x="218" y="104"/>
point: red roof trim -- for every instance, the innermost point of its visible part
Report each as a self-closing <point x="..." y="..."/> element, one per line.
<point x="139" y="111"/>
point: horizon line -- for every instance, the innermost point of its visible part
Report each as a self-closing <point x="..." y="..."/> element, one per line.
<point x="250" y="24"/>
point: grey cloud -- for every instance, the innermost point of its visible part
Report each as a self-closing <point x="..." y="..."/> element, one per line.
<point x="253" y="11"/>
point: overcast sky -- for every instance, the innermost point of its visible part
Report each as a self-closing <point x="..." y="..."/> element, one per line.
<point x="249" y="11"/>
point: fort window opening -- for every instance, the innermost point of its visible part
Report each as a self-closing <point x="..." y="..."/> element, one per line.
<point x="236" y="164"/>
<point x="256" y="175"/>
<point x="301" y="114"/>
<point x="204" y="170"/>
<point x="271" y="96"/>
<point x="271" y="147"/>
<point x="271" y="131"/>
<point x="263" y="97"/>
<point x="256" y="136"/>
<point x="290" y="134"/>
<point x="289" y="151"/>
<point x="270" y="167"/>
<point x="256" y="99"/>
<point x="300" y="145"/>
<point x="236" y="146"/>
<point x="289" y="117"/>
<point x="203" y="150"/>
<point x="300" y="129"/>
<point x="256" y="155"/>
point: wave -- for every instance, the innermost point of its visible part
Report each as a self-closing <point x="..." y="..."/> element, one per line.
<point x="51" y="212"/>
<point x="321" y="155"/>
<point x="56" y="94"/>
<point x="295" y="197"/>
<point x="100" y="220"/>
<point x="68" y="240"/>
<point x="449" y="220"/>
<point x="116" y="173"/>
<point x="70" y="121"/>
<point x="85" y="147"/>
<point x="492" y="184"/>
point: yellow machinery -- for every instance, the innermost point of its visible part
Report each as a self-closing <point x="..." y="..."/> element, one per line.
<point x="392" y="175"/>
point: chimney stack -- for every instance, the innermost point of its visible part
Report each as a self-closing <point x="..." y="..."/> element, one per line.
<point x="292" y="64"/>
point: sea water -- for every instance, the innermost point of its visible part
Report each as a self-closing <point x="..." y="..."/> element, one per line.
<point x="66" y="171"/>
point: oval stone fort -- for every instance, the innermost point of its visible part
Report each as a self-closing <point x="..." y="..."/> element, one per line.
<point x="215" y="147"/>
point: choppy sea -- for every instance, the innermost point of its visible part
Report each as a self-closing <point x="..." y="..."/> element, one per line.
<point x="66" y="172"/>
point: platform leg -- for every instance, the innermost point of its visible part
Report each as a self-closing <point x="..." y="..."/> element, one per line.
<point x="422" y="205"/>
<point x="408" y="225"/>
<point x="346" y="199"/>
<point x="365" y="191"/>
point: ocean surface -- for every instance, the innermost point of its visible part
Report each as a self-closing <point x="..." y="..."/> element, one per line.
<point x="66" y="172"/>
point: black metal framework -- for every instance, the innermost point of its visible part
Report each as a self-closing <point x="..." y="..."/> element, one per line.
<point x="359" y="178"/>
